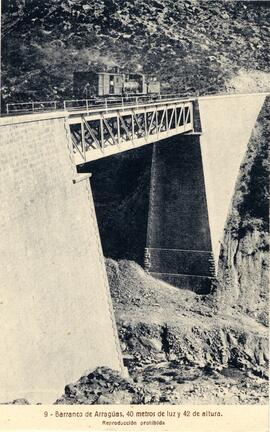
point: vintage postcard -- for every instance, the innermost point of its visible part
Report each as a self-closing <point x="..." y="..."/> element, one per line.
<point x="134" y="215"/>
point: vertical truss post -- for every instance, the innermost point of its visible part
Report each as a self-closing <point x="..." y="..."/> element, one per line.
<point x="83" y="138"/>
<point x="171" y="119"/>
<point x="152" y="116"/>
<point x="191" y="116"/>
<point x="180" y="115"/>
<point x="145" y="123"/>
<point x="118" y="128"/>
<point x="132" y="126"/>
<point x="184" y="116"/>
<point x="101" y="133"/>
<point x="156" y="120"/>
<point x="166" y="120"/>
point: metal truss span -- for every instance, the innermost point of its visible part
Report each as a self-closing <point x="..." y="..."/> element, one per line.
<point x="102" y="133"/>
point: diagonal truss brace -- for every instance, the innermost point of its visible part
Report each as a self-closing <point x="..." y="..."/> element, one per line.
<point x="102" y="130"/>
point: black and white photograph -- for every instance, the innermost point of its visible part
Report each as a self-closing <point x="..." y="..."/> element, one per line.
<point x="134" y="204"/>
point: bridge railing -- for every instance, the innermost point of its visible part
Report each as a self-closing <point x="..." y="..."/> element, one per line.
<point x="124" y="101"/>
<point x="29" y="107"/>
<point x="81" y="104"/>
<point x="93" y="104"/>
<point x="88" y="104"/>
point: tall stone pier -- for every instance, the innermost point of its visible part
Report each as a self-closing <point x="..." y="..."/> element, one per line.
<point x="179" y="248"/>
<point x="56" y="317"/>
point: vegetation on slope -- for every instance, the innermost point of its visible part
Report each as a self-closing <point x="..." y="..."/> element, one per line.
<point x="192" y="45"/>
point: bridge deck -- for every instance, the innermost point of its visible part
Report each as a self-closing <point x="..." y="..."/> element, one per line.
<point x="102" y="128"/>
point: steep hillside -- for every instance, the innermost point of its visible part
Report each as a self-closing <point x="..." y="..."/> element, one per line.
<point x="192" y="45"/>
<point x="178" y="349"/>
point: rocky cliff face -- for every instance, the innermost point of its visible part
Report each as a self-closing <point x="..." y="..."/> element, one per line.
<point x="244" y="269"/>
<point x="244" y="262"/>
<point x="191" y="45"/>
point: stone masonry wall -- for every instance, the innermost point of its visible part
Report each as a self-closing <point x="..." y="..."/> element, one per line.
<point x="56" y="316"/>
<point x="178" y="236"/>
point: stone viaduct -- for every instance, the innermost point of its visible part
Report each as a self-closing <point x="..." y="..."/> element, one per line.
<point x="56" y="314"/>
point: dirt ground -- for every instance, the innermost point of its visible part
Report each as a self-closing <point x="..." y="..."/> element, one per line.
<point x="178" y="347"/>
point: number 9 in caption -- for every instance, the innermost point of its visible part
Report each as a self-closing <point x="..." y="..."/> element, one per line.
<point x="45" y="413"/>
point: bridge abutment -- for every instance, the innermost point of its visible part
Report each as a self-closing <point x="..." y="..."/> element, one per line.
<point x="56" y="315"/>
<point x="193" y="180"/>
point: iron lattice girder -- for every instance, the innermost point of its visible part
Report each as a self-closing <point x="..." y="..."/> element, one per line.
<point x="99" y="134"/>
